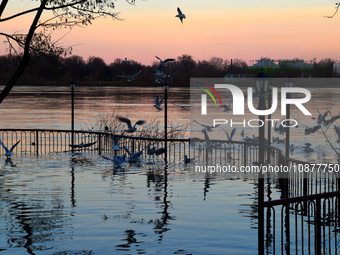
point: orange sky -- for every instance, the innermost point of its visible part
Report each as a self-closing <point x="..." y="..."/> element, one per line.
<point x="245" y="30"/>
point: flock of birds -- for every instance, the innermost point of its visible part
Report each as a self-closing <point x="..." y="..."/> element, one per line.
<point x="322" y="122"/>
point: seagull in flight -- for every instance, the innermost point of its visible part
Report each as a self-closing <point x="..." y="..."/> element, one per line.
<point x="158" y="103"/>
<point x="180" y="15"/>
<point x="135" y="157"/>
<point x="165" y="62"/>
<point x="9" y="152"/>
<point x="119" y="160"/>
<point x="160" y="76"/>
<point x="115" y="141"/>
<point x="230" y="138"/>
<point x="182" y="106"/>
<point x="226" y="108"/>
<point x="131" y="128"/>
<point x="207" y="127"/>
<point x="82" y="145"/>
<point x="129" y="77"/>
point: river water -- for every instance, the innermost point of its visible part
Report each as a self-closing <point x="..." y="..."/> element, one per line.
<point x="58" y="205"/>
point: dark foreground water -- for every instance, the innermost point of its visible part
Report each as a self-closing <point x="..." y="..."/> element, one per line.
<point x="55" y="205"/>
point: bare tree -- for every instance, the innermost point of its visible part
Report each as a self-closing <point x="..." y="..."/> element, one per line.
<point x="38" y="40"/>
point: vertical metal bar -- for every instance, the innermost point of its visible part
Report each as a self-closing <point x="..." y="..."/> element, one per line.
<point x="166" y="125"/>
<point x="261" y="187"/>
<point x="37" y="142"/>
<point x="100" y="144"/>
<point x="318" y="227"/>
<point x="72" y="119"/>
<point x="287" y="127"/>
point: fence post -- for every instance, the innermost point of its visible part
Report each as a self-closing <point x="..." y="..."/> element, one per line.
<point x="132" y="146"/>
<point x="244" y="154"/>
<point x="318" y="227"/>
<point x="100" y="144"/>
<point x="37" y="142"/>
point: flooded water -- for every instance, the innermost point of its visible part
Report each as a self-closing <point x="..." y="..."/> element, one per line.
<point x="55" y="205"/>
<point x="50" y="107"/>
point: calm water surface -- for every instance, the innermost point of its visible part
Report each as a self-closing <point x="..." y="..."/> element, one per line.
<point x="53" y="205"/>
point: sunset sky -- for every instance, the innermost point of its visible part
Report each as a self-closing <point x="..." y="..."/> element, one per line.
<point x="244" y="29"/>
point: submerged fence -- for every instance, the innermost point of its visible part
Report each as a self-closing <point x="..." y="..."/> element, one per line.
<point x="44" y="142"/>
<point x="305" y="220"/>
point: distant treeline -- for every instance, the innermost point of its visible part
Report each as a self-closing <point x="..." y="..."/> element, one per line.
<point x="52" y="70"/>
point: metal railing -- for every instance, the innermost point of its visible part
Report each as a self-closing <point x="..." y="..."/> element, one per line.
<point x="43" y="142"/>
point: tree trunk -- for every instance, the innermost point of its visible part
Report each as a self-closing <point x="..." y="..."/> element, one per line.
<point x="26" y="57"/>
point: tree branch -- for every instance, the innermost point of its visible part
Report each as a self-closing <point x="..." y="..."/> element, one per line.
<point x="36" y="9"/>
<point x="2" y="6"/>
<point x="26" y="57"/>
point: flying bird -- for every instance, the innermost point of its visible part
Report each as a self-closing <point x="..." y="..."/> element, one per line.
<point x="311" y="130"/>
<point x="158" y="103"/>
<point x="180" y="15"/>
<point x="115" y="141"/>
<point x="119" y="160"/>
<point x="130" y="77"/>
<point x="208" y="143"/>
<point x="9" y="152"/>
<point x="165" y="62"/>
<point x="226" y="108"/>
<point x="322" y="118"/>
<point x="230" y="137"/>
<point x="207" y="127"/>
<point x="182" y="106"/>
<point x="131" y="128"/>
<point x="134" y="157"/>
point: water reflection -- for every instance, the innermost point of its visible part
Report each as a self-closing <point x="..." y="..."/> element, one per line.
<point x="52" y="203"/>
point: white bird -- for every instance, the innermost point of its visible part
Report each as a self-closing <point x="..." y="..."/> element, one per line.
<point x="230" y="138"/>
<point x="180" y="15"/>
<point x="130" y="77"/>
<point x="115" y="141"/>
<point x="128" y="122"/>
<point x="207" y="127"/>
<point x="164" y="63"/>
<point x="9" y="152"/>
<point x="182" y="106"/>
<point x="158" y="103"/>
<point x="307" y="148"/>
<point x="135" y="157"/>
<point x="82" y="145"/>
